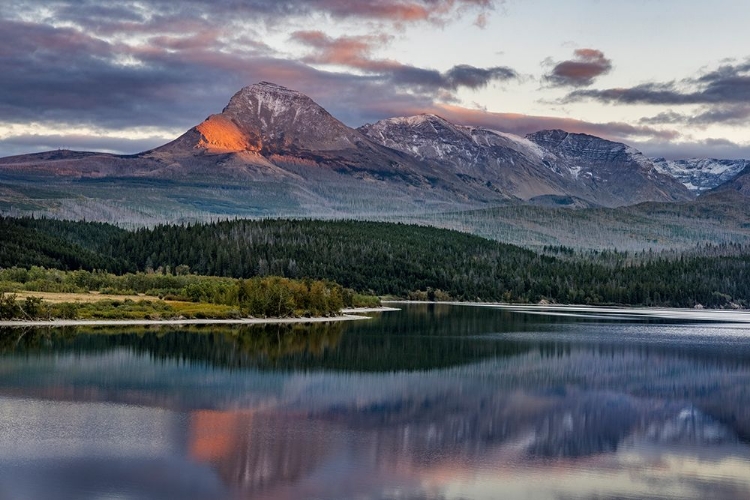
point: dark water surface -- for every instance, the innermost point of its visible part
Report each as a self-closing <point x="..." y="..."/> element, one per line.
<point x="432" y="402"/>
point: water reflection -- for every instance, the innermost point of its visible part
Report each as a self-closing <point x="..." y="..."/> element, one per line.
<point x="432" y="402"/>
<point x="227" y="346"/>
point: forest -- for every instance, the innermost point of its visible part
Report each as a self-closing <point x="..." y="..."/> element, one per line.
<point x="387" y="259"/>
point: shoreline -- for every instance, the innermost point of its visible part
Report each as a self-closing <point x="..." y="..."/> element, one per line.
<point x="715" y="315"/>
<point x="349" y="314"/>
<point x="360" y="310"/>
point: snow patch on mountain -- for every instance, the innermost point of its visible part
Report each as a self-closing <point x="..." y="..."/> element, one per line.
<point x="522" y="144"/>
<point x="700" y="174"/>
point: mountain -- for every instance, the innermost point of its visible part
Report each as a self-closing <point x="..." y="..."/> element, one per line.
<point x="700" y="174"/>
<point x="268" y="132"/>
<point x="552" y="165"/>
<point x="739" y="184"/>
<point x="273" y="151"/>
<point x="611" y="170"/>
<point x="507" y="165"/>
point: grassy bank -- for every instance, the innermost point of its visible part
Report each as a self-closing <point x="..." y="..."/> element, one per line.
<point x="39" y="293"/>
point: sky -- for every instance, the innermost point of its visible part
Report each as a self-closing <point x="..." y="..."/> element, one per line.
<point x="669" y="77"/>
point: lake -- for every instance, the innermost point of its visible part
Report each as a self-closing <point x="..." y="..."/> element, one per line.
<point x="430" y="402"/>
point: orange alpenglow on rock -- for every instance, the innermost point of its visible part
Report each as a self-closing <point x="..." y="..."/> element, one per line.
<point x="220" y="134"/>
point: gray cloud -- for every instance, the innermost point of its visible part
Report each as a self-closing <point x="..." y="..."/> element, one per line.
<point x="709" y="148"/>
<point x="730" y="84"/>
<point x="665" y="117"/>
<point x="728" y="114"/>
<point x="587" y="65"/>
<point x="62" y="75"/>
<point x="80" y="64"/>
<point x="93" y="15"/>
<point x="168" y="65"/>
<point x="464" y="75"/>
<point x="721" y="97"/>
<point x="458" y="76"/>
<point x="20" y="144"/>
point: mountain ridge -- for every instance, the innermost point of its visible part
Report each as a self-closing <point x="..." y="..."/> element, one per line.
<point x="701" y="174"/>
<point x="275" y="151"/>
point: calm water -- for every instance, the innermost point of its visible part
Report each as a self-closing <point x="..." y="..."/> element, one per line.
<point x="432" y="402"/>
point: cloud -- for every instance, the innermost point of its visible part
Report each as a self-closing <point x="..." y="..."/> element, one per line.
<point x="63" y="75"/>
<point x="464" y="75"/>
<point x="165" y="64"/>
<point x="93" y="15"/>
<point x="726" y="114"/>
<point x="20" y="144"/>
<point x="581" y="71"/>
<point x="729" y="84"/>
<point x="738" y="114"/>
<point x="721" y="96"/>
<point x="355" y="52"/>
<point x="523" y="124"/>
<point x="665" y="117"/>
<point x="706" y="148"/>
<point x="352" y="51"/>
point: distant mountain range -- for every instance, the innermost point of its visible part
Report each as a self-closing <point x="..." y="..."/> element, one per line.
<point x="273" y="151"/>
<point x="701" y="174"/>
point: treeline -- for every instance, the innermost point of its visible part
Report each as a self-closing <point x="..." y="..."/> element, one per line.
<point x="396" y="259"/>
<point x="258" y="297"/>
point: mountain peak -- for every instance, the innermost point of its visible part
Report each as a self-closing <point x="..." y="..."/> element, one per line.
<point x="425" y="135"/>
<point x="271" y="119"/>
<point x="268" y="88"/>
<point x="268" y="95"/>
<point x="423" y="118"/>
<point x="556" y="136"/>
<point x="410" y="121"/>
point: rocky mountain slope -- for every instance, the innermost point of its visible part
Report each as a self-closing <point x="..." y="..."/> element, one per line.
<point x="739" y="184"/>
<point x="274" y="151"/>
<point x="611" y="168"/>
<point x="551" y="164"/>
<point x="700" y="174"/>
<point x="270" y="133"/>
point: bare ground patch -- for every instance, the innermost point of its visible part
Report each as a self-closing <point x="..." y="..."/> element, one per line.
<point x="56" y="297"/>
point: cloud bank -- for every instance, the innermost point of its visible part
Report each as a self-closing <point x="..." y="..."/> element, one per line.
<point x="116" y="69"/>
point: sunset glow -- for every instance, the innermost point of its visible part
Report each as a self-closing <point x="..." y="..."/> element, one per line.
<point x="513" y="65"/>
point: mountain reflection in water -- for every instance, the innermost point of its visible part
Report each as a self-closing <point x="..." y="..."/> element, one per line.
<point x="429" y="402"/>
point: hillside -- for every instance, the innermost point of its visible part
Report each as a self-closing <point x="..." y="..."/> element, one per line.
<point x="721" y="217"/>
<point x="393" y="259"/>
<point x="739" y="184"/>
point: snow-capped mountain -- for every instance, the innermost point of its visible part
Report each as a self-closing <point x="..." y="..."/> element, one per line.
<point x="701" y="174"/>
<point x="599" y="165"/>
<point x="740" y="183"/>
<point x="274" y="151"/>
<point x="551" y="163"/>
<point x="474" y="155"/>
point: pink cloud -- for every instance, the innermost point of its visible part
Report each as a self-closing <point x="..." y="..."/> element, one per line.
<point x="587" y="65"/>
